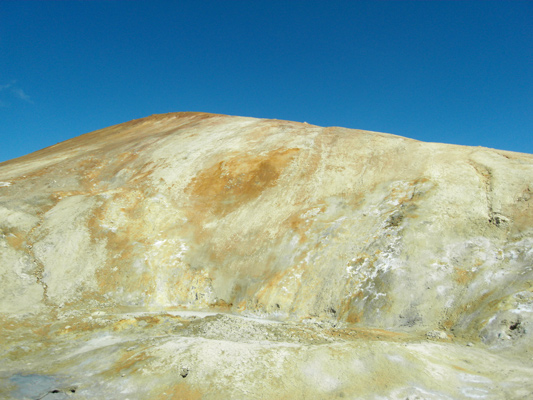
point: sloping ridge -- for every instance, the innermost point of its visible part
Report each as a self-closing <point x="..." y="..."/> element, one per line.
<point x="272" y="219"/>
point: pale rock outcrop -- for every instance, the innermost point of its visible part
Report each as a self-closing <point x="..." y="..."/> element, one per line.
<point x="320" y="262"/>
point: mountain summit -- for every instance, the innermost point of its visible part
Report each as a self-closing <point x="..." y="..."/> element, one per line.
<point x="193" y="255"/>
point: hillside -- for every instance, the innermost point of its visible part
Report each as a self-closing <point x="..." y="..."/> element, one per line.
<point x="193" y="255"/>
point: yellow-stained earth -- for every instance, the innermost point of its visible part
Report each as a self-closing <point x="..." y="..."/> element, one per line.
<point x="202" y="256"/>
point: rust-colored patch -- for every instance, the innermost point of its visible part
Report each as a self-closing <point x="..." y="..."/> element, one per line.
<point x="299" y="224"/>
<point x="15" y="240"/>
<point x="233" y="182"/>
<point x="463" y="276"/>
<point x="448" y="324"/>
<point x="180" y="391"/>
<point x="354" y="317"/>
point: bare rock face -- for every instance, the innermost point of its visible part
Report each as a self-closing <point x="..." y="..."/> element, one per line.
<point x="191" y="255"/>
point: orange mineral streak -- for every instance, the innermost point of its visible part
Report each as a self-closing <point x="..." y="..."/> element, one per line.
<point x="180" y="391"/>
<point x="237" y="180"/>
<point x="130" y="361"/>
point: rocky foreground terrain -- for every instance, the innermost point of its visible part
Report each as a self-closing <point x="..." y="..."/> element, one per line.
<point x="200" y="256"/>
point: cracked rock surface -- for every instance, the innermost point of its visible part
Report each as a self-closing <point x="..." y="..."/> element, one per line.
<point x="202" y="256"/>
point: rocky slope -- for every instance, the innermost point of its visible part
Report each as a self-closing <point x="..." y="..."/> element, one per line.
<point x="193" y="255"/>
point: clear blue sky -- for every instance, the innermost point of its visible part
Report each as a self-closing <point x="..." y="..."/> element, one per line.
<point x="455" y="72"/>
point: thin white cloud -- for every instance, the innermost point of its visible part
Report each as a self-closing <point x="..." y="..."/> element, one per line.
<point x="15" y="91"/>
<point x="21" y="95"/>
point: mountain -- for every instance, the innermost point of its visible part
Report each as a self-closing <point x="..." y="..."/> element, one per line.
<point x="193" y="255"/>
